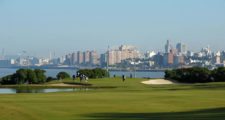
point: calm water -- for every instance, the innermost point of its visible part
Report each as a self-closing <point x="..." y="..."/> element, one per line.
<point x="44" y="90"/>
<point x="53" y="72"/>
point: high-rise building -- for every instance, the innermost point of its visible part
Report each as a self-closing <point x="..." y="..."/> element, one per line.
<point x="217" y="58"/>
<point x="80" y="57"/>
<point x="158" y="59"/>
<point x="86" y="57"/>
<point x="124" y="52"/>
<point x="103" y="60"/>
<point x="168" y="58"/>
<point x="68" y="60"/>
<point x="111" y="57"/>
<point x="74" y="58"/>
<point x="178" y="59"/>
<point x="94" y="58"/>
<point x="181" y="48"/>
<point x="167" y="46"/>
<point x="62" y="59"/>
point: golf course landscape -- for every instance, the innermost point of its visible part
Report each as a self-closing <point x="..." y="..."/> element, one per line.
<point x="112" y="99"/>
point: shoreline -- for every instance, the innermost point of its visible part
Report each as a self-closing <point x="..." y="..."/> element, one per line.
<point x="76" y="68"/>
<point x="55" y="85"/>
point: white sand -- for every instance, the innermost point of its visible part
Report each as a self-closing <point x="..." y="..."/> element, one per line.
<point x="158" y="82"/>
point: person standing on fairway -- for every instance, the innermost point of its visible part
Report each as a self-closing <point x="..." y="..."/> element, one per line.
<point x="123" y="78"/>
<point x="74" y="77"/>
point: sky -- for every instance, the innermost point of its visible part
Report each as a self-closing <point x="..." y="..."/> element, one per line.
<point x="64" y="26"/>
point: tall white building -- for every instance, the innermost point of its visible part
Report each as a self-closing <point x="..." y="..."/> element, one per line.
<point x="94" y="58"/>
<point x="217" y="58"/>
<point x="74" y="58"/>
<point x="86" y="56"/>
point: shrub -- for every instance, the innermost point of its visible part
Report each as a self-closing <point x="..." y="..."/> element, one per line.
<point x="62" y="75"/>
<point x="50" y="79"/>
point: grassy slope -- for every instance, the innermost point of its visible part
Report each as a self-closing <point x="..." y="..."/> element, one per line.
<point x="130" y="100"/>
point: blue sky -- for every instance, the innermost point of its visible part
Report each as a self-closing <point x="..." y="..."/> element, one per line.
<point x="63" y="26"/>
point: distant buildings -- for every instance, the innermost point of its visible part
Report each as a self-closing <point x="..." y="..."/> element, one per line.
<point x="174" y="57"/>
<point x="126" y="57"/>
<point x="6" y="63"/>
<point x="167" y="47"/>
<point x="87" y="57"/>
<point x="158" y="59"/>
<point x="82" y="58"/>
<point x="181" y="48"/>
<point x="124" y="52"/>
<point x="168" y="59"/>
<point x="103" y="60"/>
<point x="217" y="58"/>
<point x="74" y="58"/>
<point x="150" y="54"/>
<point x="179" y="60"/>
<point x="94" y="58"/>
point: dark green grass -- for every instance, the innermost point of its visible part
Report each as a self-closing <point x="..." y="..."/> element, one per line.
<point x="129" y="100"/>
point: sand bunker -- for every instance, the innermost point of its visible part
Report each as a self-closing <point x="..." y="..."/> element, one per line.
<point x="158" y="82"/>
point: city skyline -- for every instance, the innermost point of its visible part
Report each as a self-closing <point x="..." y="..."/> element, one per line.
<point x="60" y="27"/>
<point x="178" y="47"/>
<point x="124" y="55"/>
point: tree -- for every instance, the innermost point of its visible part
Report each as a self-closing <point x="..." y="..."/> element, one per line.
<point x="8" y="80"/>
<point x="219" y="74"/>
<point x="170" y="74"/>
<point x="21" y="76"/>
<point x="31" y="76"/>
<point x="25" y="76"/>
<point x="189" y="75"/>
<point x="62" y="75"/>
<point x="40" y="74"/>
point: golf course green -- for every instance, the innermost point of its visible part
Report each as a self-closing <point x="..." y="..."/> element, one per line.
<point x="112" y="99"/>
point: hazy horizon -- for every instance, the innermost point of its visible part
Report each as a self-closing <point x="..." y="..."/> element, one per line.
<point x="39" y="27"/>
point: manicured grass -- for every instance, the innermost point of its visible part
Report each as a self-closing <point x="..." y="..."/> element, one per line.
<point x="129" y="100"/>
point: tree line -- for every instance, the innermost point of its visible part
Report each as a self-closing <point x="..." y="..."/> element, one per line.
<point x="94" y="73"/>
<point x="23" y="76"/>
<point x="29" y="76"/>
<point x="37" y="76"/>
<point x="196" y="75"/>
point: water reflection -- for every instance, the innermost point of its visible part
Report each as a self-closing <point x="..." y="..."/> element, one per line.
<point x="39" y="90"/>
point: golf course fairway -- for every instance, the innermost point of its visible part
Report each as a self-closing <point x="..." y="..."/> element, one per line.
<point x="129" y="100"/>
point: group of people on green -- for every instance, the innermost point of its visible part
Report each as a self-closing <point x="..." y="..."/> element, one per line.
<point x="80" y="76"/>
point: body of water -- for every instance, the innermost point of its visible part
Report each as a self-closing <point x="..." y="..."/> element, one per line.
<point x="39" y="90"/>
<point x="53" y="73"/>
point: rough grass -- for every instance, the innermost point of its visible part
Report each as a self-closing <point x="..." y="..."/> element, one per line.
<point x="129" y="100"/>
